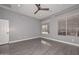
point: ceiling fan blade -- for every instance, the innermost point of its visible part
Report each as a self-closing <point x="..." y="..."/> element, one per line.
<point x="44" y="8"/>
<point x="37" y="5"/>
<point x="36" y="11"/>
<point x="39" y="8"/>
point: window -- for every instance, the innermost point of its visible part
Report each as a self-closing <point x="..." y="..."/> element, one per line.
<point x="45" y="28"/>
<point x="69" y="26"/>
<point x="62" y="27"/>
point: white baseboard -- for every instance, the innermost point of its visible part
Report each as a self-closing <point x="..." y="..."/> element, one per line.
<point x="24" y="39"/>
<point x="4" y="43"/>
<point x="74" y="44"/>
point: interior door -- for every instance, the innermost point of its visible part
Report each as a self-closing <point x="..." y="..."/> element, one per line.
<point x="4" y="31"/>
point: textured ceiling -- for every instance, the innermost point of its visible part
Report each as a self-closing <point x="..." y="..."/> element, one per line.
<point x="29" y="9"/>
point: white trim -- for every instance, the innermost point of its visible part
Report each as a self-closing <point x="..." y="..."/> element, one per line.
<point x="4" y="43"/>
<point x="74" y="44"/>
<point x="24" y="39"/>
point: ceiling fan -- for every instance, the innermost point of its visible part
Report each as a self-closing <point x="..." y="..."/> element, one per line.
<point x="40" y="8"/>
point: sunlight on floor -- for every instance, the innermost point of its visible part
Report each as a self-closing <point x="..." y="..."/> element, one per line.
<point x="45" y="43"/>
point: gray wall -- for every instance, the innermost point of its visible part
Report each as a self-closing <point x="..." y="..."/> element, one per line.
<point x="21" y="27"/>
<point x="53" y="27"/>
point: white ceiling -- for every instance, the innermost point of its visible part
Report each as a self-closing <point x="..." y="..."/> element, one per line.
<point x="29" y="9"/>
